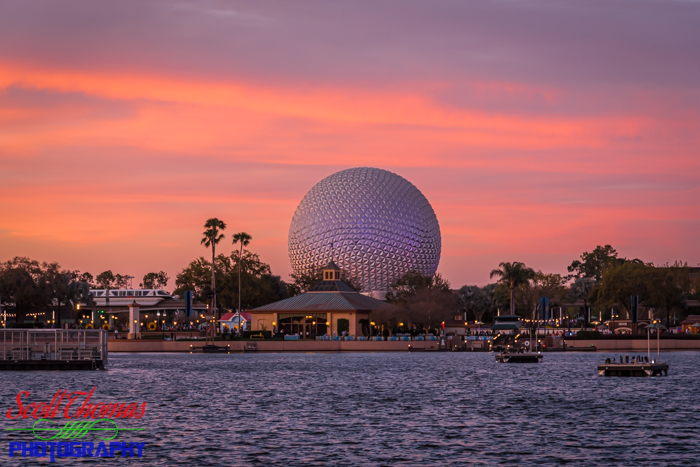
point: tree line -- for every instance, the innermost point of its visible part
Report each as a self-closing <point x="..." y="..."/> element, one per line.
<point x="28" y="286"/>
<point x="599" y="279"/>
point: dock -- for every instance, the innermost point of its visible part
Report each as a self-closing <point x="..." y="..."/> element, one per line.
<point x="53" y="349"/>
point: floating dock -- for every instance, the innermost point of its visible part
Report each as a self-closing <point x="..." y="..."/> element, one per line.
<point x="529" y="357"/>
<point x="638" y="365"/>
<point x="633" y="369"/>
<point x="51" y="365"/>
<point x="53" y="349"/>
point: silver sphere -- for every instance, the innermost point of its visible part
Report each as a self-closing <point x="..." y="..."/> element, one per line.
<point x="374" y="224"/>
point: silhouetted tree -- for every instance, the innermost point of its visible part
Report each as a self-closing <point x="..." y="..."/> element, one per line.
<point x="212" y="236"/>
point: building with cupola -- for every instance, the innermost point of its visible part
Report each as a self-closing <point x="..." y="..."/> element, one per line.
<point x="328" y="308"/>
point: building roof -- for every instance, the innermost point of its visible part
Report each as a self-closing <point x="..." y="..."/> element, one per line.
<point x="327" y="300"/>
<point x="691" y="319"/>
<point x="332" y="286"/>
<point x="230" y="316"/>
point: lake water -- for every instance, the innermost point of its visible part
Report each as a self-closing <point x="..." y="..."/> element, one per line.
<point x="373" y="409"/>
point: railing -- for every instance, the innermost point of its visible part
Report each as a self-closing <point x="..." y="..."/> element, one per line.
<point x="53" y="344"/>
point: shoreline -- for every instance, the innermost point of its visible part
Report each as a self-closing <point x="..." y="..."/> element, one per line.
<point x="601" y="345"/>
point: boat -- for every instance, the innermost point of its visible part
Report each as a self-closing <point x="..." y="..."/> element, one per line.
<point x="633" y="367"/>
<point x="530" y="356"/>
<point x="513" y="357"/>
<point x="637" y="365"/>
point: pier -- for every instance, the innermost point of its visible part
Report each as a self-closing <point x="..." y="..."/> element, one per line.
<point x="53" y="349"/>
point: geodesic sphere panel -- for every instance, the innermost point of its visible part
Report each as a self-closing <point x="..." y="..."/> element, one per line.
<point x="373" y="223"/>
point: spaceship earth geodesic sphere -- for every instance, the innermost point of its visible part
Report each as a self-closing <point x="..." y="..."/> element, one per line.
<point x="374" y="224"/>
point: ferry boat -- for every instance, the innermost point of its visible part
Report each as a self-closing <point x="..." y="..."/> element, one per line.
<point x="637" y="365"/>
<point x="512" y="323"/>
<point x="515" y="357"/>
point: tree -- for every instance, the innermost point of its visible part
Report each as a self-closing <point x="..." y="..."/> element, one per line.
<point x="427" y="300"/>
<point x="155" y="280"/>
<point x="244" y="239"/>
<point x="595" y="263"/>
<point x="105" y="280"/>
<point x="474" y="300"/>
<point x="258" y="285"/>
<point x="20" y="285"/>
<point x="492" y="300"/>
<point x="121" y="281"/>
<point x="108" y="280"/>
<point x="621" y="281"/>
<point x="57" y="284"/>
<point x="212" y="236"/>
<point x="582" y="289"/>
<point x="88" y="279"/>
<point x="303" y="282"/>
<point x="79" y="292"/>
<point x="29" y="285"/>
<point x="408" y="285"/>
<point x="513" y="274"/>
<point x="668" y="289"/>
<point x="196" y="277"/>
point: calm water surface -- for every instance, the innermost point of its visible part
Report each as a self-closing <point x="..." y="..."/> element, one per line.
<point x="385" y="409"/>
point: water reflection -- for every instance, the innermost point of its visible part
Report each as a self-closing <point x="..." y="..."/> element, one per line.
<point x="390" y="409"/>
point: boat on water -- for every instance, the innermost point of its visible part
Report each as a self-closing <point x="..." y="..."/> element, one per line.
<point x="518" y="357"/>
<point x="531" y="355"/>
<point x="637" y="365"/>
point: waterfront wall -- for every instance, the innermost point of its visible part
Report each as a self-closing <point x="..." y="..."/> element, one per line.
<point x="148" y="345"/>
<point x="634" y="345"/>
<point x="602" y="345"/>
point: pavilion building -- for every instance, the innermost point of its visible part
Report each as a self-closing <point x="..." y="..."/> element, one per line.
<point x="330" y="307"/>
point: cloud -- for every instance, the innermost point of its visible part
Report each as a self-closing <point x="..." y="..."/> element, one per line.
<point x="536" y="129"/>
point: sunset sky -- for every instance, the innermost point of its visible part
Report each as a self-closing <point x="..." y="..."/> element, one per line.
<point x="536" y="129"/>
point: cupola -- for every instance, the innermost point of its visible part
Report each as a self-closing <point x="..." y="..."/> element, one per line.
<point x="331" y="272"/>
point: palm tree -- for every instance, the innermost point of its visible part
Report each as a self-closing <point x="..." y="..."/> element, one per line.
<point x="581" y="289"/>
<point x="244" y="239"/>
<point x="513" y="274"/>
<point x="212" y="236"/>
